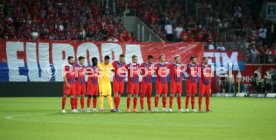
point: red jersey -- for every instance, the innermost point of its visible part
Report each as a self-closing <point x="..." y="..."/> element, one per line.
<point x="81" y="75"/>
<point x="200" y="36"/>
<point x="184" y="36"/>
<point x="192" y="70"/>
<point x="176" y="71"/>
<point x="147" y="70"/>
<point x="205" y="77"/>
<point x="162" y="71"/>
<point x="70" y="74"/>
<point x="133" y="73"/>
<point x="119" y="71"/>
<point x="92" y="73"/>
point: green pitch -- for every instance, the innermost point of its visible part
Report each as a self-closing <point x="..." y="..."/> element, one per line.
<point x="232" y="118"/>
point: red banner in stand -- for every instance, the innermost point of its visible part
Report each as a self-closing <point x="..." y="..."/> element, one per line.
<point x="28" y="60"/>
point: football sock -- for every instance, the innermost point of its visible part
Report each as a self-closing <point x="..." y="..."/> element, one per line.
<point x="164" y="101"/>
<point x="76" y="102"/>
<point x="94" y="102"/>
<point x="149" y="102"/>
<point x="118" y="101"/>
<point x="156" y="101"/>
<point x="72" y="101"/>
<point x="110" y="104"/>
<point x="193" y="102"/>
<point x="101" y="102"/>
<point x="88" y="102"/>
<point x="199" y="102"/>
<point x="115" y="102"/>
<point x="82" y="102"/>
<point x="128" y="102"/>
<point x="207" y="100"/>
<point x="187" y="101"/>
<point x="63" y="102"/>
<point x="179" y="102"/>
<point x="142" y="101"/>
<point x="171" y="101"/>
<point x="134" y="102"/>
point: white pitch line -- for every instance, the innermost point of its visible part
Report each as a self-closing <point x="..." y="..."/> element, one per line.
<point x="14" y="117"/>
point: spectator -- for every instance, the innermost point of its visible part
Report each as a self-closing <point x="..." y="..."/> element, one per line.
<point x="263" y="33"/>
<point x="231" y="84"/>
<point x="169" y="31"/>
<point x="65" y="20"/>
<point x="221" y="47"/>
<point x="254" y="53"/>
<point x="268" y="80"/>
<point x="211" y="46"/>
<point x="257" y="80"/>
<point x="178" y="30"/>
<point x="273" y="80"/>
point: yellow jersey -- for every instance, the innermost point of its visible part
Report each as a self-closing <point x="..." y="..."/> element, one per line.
<point x="104" y="78"/>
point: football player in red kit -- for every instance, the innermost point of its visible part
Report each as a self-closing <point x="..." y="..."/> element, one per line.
<point x="80" y="82"/>
<point x="176" y="71"/>
<point x="133" y="83"/>
<point x="92" y="84"/>
<point x="191" y="83"/>
<point x="119" y="80"/>
<point x="162" y="71"/>
<point x="69" y="87"/>
<point x="205" y="84"/>
<point x="147" y="71"/>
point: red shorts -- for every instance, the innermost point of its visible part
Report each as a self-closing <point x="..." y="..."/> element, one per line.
<point x="146" y="88"/>
<point x="133" y="88"/>
<point x="161" y="88"/>
<point x="205" y="89"/>
<point x="69" y="91"/>
<point x="118" y="87"/>
<point x="176" y="87"/>
<point x="92" y="90"/>
<point x="191" y="87"/>
<point x="81" y="88"/>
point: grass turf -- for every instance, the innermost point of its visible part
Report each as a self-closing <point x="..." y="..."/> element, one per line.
<point x="232" y="118"/>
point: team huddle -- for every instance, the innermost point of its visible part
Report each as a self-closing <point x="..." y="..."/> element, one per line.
<point x="98" y="83"/>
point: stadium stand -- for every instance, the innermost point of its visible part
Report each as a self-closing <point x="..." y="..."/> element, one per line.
<point x="59" y="20"/>
<point x="220" y="27"/>
<point x="235" y="26"/>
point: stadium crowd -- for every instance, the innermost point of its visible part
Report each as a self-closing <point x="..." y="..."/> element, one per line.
<point x="220" y="27"/>
<point x="60" y="20"/>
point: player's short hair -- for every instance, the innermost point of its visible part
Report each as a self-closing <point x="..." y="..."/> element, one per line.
<point x="176" y="57"/>
<point x="192" y="57"/>
<point x="81" y="58"/>
<point x="204" y="58"/>
<point x="161" y="56"/>
<point x="150" y="57"/>
<point x="122" y="55"/>
<point x="133" y="56"/>
<point x="70" y="57"/>
<point x="106" y="57"/>
<point x="94" y="59"/>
